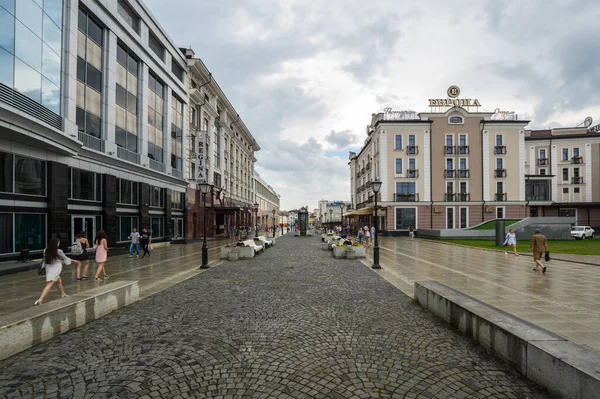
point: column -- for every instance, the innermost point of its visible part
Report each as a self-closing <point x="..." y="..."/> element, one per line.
<point x="167" y="128"/>
<point x="486" y="166"/>
<point x="69" y="64"/>
<point x="58" y="214"/>
<point x="110" y="91"/>
<point x="522" y="171"/>
<point x="144" y="205"/>
<point x="109" y="208"/>
<point x="143" y="92"/>
<point x="168" y="217"/>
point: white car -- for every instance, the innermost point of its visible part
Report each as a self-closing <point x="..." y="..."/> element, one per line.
<point x="582" y="232"/>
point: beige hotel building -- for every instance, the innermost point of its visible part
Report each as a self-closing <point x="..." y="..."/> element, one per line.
<point x="454" y="167"/>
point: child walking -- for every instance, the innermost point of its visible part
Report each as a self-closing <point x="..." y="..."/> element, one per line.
<point x="52" y="262"/>
<point x="101" y="246"/>
<point x="511" y="239"/>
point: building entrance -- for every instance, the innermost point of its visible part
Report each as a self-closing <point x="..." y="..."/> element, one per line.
<point x="83" y="223"/>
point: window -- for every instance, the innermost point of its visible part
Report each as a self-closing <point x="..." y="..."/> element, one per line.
<point x="565" y="174"/>
<point x="537" y="190"/>
<point x="193" y="116"/>
<point x="499" y="163"/>
<point x="463" y="147"/>
<point x="542" y="153"/>
<point x="176" y="133"/>
<point x="499" y="187"/>
<point x="449" y="187"/>
<point x="455" y="120"/>
<point x="565" y="154"/>
<point x="157" y="227"/>
<point x="85" y="185"/>
<point x="217" y="144"/>
<point x="449" y="168"/>
<point x="567" y="212"/>
<point x="462" y="163"/>
<point x="6" y="172"/>
<point x="406" y="217"/>
<point x="499" y="212"/>
<point x="576" y="190"/>
<point x="177" y="225"/>
<point x="89" y="76"/>
<point x="217" y="179"/>
<point x="449" y="149"/>
<point x="22" y="231"/>
<point x="155" y="119"/>
<point x="405" y="191"/>
<point x="29" y="176"/>
<point x="128" y="192"/>
<point x="575" y="152"/>
<point x="565" y="190"/>
<point x="128" y="15"/>
<point x="449" y="218"/>
<point x="157" y="195"/>
<point x="176" y="69"/>
<point x="499" y="140"/>
<point x="126" y="135"/>
<point x="398" y="142"/>
<point x="192" y="171"/>
<point x="156" y="47"/>
<point x="542" y="172"/>
<point x="464" y="218"/>
<point x="177" y="200"/>
<point x="398" y="165"/>
<point x="575" y="172"/>
<point x="126" y="224"/>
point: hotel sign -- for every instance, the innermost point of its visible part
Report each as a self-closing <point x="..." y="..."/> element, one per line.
<point x="453" y="92"/>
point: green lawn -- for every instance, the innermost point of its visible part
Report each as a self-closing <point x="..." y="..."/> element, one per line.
<point x="576" y="247"/>
<point x="491" y="225"/>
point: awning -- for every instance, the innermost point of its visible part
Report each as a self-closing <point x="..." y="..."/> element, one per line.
<point x="367" y="211"/>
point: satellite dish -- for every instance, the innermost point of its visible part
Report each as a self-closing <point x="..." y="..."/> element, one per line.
<point x="588" y="121"/>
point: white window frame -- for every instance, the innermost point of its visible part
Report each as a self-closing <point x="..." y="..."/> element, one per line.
<point x="562" y="158"/>
<point x="401" y="142"/>
<point x="460" y="217"/>
<point x="401" y="166"/>
<point x="501" y="140"/>
<point x="503" y="212"/>
<point x="540" y="153"/>
<point x="462" y="120"/>
<point x="453" y="217"/>
<point x="562" y="174"/>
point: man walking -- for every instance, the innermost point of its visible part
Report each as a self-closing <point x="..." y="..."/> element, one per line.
<point x="135" y="243"/>
<point x="539" y="245"/>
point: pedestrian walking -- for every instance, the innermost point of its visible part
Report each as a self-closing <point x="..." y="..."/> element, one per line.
<point x="411" y="232"/>
<point x="52" y="261"/>
<point x="101" y="246"/>
<point x="361" y="236"/>
<point x="146" y="240"/>
<point x="368" y="236"/>
<point x="373" y="232"/>
<point x="511" y="239"/>
<point x="135" y="243"/>
<point x="539" y="243"/>
<point x="82" y="257"/>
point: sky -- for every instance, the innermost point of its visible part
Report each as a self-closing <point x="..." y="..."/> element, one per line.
<point x="305" y="76"/>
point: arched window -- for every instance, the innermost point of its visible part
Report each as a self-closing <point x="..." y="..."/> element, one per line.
<point x="456" y="119"/>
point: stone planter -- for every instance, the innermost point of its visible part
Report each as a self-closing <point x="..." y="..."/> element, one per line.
<point x="324" y="246"/>
<point x="359" y="252"/>
<point x="245" y="252"/>
<point x="233" y="254"/>
<point x="350" y="253"/>
<point x="339" y="252"/>
<point x="225" y="252"/>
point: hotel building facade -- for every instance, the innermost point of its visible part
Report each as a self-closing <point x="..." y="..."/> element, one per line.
<point x="455" y="167"/>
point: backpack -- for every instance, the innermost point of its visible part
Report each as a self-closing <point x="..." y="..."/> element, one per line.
<point x="76" y="248"/>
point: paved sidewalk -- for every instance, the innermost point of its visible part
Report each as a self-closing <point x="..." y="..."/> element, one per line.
<point x="290" y="323"/>
<point x="565" y="300"/>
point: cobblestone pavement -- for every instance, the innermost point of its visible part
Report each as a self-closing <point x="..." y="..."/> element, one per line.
<point x="290" y="323"/>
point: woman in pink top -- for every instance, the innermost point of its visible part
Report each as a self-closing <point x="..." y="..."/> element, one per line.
<point x="101" y="251"/>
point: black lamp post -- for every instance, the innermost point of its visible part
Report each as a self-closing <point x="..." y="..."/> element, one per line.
<point x="273" y="223"/>
<point x="342" y="215"/>
<point x="376" y="186"/>
<point x="330" y="219"/>
<point x="204" y="189"/>
<point x="255" y="220"/>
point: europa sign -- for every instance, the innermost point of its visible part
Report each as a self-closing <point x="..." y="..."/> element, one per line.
<point x="453" y="101"/>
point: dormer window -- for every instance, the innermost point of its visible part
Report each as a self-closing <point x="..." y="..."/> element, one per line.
<point x="456" y="120"/>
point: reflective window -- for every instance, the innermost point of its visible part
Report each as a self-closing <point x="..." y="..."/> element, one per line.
<point x="9" y="5"/>
<point x="176" y="133"/>
<point x="52" y="34"/>
<point x="54" y="9"/>
<point x="157" y="228"/>
<point x="30" y="231"/>
<point x="30" y="14"/>
<point x="7" y="31"/>
<point x="156" y="47"/>
<point x="51" y="65"/>
<point x="6" y="239"/>
<point x="128" y="192"/>
<point x="128" y="15"/>
<point x="155" y="120"/>
<point x="30" y="176"/>
<point x="27" y="80"/>
<point x="157" y="195"/>
<point x="127" y="104"/>
<point x="85" y="185"/>
<point x="50" y="96"/>
<point x="126" y="224"/>
<point x="6" y="68"/>
<point x="28" y="46"/>
<point x="6" y="173"/>
<point x="405" y="217"/>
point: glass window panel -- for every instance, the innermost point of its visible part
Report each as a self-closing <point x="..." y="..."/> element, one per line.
<point x="92" y="102"/>
<point x="120" y="137"/>
<point x="28" y="46"/>
<point x="132" y="103"/>
<point x="94" y="78"/>
<point x="121" y="75"/>
<point x="94" y="54"/>
<point x="132" y="142"/>
<point x="30" y="176"/>
<point x="121" y="96"/>
<point x="9" y="5"/>
<point x="159" y="138"/>
<point x="159" y="90"/>
<point x="156" y="47"/>
<point x="80" y="119"/>
<point x="7" y="31"/>
<point x="6" y="68"/>
<point x="94" y="31"/>
<point x="121" y="55"/>
<point x="81" y="95"/>
<point x="93" y="125"/>
<point x="159" y="121"/>
<point x="27" y="81"/>
<point x="151" y="100"/>
<point x="150" y="121"/>
<point x="132" y="65"/>
<point x="6" y="226"/>
<point x="131" y="123"/>
<point x="30" y="14"/>
<point x="51" y="96"/>
<point x="82" y="21"/>
<point x="52" y="35"/>
<point x="6" y="173"/>
<point x="81" y="69"/>
<point x="132" y="84"/>
<point x="120" y="117"/>
<point x="54" y="9"/>
<point x="51" y="65"/>
<point x="81" y="40"/>
<point x="83" y="183"/>
<point x="30" y="231"/>
<point x="151" y="134"/>
<point x="98" y="187"/>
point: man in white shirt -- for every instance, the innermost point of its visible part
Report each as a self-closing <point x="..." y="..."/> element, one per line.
<point x="135" y="243"/>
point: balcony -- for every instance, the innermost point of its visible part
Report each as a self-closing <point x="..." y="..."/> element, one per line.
<point x="412" y="149"/>
<point x="449" y="150"/>
<point x="91" y="142"/>
<point x="369" y="166"/>
<point x="412" y="173"/>
<point x="464" y="173"/>
<point x="407" y="197"/>
<point x="157" y="166"/>
<point x="577" y="180"/>
<point x="463" y="197"/>
<point x="499" y="149"/>
<point x="177" y="173"/>
<point x="499" y="173"/>
<point x="577" y="160"/>
<point x="450" y="173"/>
<point x="463" y="149"/>
<point x="127" y="155"/>
<point x="500" y="197"/>
<point x="542" y="162"/>
<point x="450" y="197"/>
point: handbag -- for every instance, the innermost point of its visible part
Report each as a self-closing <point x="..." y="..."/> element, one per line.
<point x="547" y="256"/>
<point x="42" y="270"/>
<point x="150" y="247"/>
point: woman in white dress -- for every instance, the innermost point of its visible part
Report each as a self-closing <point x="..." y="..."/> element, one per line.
<point x="511" y="239"/>
<point x="52" y="261"/>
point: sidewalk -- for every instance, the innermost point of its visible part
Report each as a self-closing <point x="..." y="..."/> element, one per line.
<point x="565" y="300"/>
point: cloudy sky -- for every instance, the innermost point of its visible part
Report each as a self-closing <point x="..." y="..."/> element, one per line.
<point x="305" y="76"/>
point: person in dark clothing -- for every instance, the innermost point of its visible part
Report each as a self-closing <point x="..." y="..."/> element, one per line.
<point x="146" y="241"/>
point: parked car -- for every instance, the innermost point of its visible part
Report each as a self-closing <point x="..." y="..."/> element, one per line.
<point x="582" y="232"/>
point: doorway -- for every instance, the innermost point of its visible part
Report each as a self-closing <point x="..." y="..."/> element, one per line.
<point x="83" y="223"/>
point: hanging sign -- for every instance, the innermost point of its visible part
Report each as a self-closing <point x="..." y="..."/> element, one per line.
<point x="201" y="175"/>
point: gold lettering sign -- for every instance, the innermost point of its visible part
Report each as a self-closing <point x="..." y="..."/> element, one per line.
<point x="454" y="102"/>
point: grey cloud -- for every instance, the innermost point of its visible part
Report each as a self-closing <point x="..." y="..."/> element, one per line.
<point x="342" y="140"/>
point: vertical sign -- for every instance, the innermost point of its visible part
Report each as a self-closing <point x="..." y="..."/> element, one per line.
<point x="201" y="164"/>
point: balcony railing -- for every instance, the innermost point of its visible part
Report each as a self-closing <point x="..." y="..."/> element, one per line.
<point x="463" y="197"/>
<point x="127" y="155"/>
<point x="577" y="180"/>
<point x="91" y="142"/>
<point x="449" y="197"/>
<point x="449" y="150"/>
<point x="369" y="166"/>
<point x="450" y="173"/>
<point x="464" y="173"/>
<point x="412" y="149"/>
<point x="542" y="162"/>
<point x="407" y="197"/>
<point x="500" y="173"/>
<point x="577" y="160"/>
<point x="177" y="173"/>
<point x="499" y="149"/>
<point x="157" y="166"/>
<point x="500" y="196"/>
<point x="412" y="173"/>
<point x="463" y="149"/>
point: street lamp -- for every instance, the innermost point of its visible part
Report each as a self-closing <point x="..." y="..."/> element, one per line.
<point x="273" y="223"/>
<point x="376" y="186"/>
<point x="255" y="219"/>
<point x="342" y="215"/>
<point x="330" y="217"/>
<point x="204" y="189"/>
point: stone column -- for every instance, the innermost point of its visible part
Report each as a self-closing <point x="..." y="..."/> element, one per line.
<point x="109" y="208"/>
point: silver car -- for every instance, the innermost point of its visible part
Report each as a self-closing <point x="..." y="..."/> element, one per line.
<point x="582" y="232"/>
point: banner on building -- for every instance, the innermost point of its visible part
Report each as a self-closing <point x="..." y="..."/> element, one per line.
<point x="201" y="173"/>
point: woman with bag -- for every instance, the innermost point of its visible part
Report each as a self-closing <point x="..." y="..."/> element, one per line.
<point x="511" y="239"/>
<point x="101" y="246"/>
<point x="52" y="263"/>
<point x="82" y="257"/>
